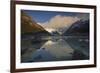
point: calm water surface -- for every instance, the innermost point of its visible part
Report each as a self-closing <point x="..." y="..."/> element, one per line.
<point x="55" y="49"/>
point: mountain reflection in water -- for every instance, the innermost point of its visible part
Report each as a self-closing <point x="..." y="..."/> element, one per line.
<point x="55" y="49"/>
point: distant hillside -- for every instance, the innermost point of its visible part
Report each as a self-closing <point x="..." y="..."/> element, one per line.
<point x="80" y="27"/>
<point x="27" y="25"/>
<point x="30" y="26"/>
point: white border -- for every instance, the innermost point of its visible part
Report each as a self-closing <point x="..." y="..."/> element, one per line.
<point x="53" y="64"/>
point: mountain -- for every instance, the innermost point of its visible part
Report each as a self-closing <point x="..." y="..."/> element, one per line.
<point x="59" y="23"/>
<point x="80" y="27"/>
<point x="55" y="33"/>
<point x="29" y="26"/>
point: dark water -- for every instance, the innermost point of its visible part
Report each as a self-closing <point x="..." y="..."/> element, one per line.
<point x="55" y="49"/>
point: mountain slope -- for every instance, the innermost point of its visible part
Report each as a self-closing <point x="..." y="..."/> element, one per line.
<point x="30" y="26"/>
<point x="80" y="27"/>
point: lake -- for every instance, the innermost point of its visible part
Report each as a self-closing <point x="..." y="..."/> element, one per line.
<point x="54" y="48"/>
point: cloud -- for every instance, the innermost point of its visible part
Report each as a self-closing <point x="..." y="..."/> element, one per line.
<point x="83" y="16"/>
<point x="59" y="21"/>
